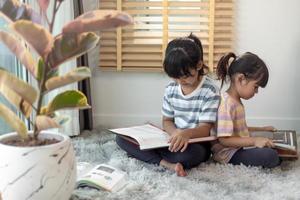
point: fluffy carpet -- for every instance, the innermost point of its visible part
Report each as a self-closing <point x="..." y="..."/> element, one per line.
<point x="208" y="181"/>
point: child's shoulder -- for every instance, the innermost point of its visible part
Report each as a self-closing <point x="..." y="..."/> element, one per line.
<point x="172" y="85"/>
<point x="227" y="100"/>
<point x="210" y="85"/>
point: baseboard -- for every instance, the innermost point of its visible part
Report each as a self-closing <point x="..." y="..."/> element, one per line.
<point x="123" y="120"/>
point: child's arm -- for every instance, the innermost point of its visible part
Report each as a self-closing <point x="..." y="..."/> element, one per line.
<point x="168" y="125"/>
<point x="264" y="128"/>
<point x="180" y="137"/>
<point x="203" y="130"/>
<point x="246" y="142"/>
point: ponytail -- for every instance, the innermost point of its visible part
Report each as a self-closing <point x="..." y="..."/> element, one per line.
<point x="223" y="67"/>
<point x="248" y="64"/>
<point x="204" y="69"/>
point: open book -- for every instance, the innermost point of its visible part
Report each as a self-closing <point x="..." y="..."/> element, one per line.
<point x="285" y="141"/>
<point x="102" y="177"/>
<point x="150" y="137"/>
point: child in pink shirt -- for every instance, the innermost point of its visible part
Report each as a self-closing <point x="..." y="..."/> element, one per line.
<point x="246" y="74"/>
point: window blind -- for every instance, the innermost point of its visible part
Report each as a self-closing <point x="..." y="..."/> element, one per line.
<point x="141" y="47"/>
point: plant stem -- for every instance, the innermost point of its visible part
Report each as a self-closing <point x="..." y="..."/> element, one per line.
<point x="31" y="122"/>
<point x="41" y="95"/>
<point x="47" y="67"/>
<point x="55" y="9"/>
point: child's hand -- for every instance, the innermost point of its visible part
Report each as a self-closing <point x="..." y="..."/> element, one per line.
<point x="269" y="128"/>
<point x="178" y="141"/>
<point x="261" y="142"/>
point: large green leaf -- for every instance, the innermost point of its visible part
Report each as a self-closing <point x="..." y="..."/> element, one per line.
<point x="66" y="100"/>
<point x="20" y="87"/>
<point x="68" y="46"/>
<point x="16" y="100"/>
<point x="20" y="51"/>
<point x="35" y="35"/>
<point x="44" y="122"/>
<point x="13" y="121"/>
<point x="75" y="75"/>
<point x="98" y="20"/>
<point x="16" y="11"/>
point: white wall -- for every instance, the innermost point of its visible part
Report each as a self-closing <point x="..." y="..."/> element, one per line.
<point x="270" y="28"/>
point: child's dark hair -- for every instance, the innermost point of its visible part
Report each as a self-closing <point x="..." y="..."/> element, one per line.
<point x="182" y="55"/>
<point x="248" y="64"/>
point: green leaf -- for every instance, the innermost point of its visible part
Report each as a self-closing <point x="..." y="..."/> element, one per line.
<point x="68" y="99"/>
<point x="16" y="11"/>
<point x="68" y="46"/>
<point x="75" y="75"/>
<point x="20" y="87"/>
<point x="40" y="69"/>
<point x="13" y="121"/>
<point x="19" y="50"/>
<point x="44" y="122"/>
<point x="98" y="20"/>
<point x="35" y="35"/>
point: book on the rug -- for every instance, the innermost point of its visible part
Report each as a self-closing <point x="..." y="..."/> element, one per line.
<point x="151" y="137"/>
<point x="285" y="141"/>
<point x="103" y="177"/>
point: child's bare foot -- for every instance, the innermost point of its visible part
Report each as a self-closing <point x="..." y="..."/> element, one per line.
<point x="177" y="167"/>
<point x="179" y="170"/>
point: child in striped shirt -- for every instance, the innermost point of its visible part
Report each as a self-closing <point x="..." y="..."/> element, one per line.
<point x="189" y="109"/>
<point x="246" y="73"/>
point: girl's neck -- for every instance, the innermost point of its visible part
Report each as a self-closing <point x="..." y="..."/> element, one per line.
<point x="189" y="89"/>
<point x="234" y="94"/>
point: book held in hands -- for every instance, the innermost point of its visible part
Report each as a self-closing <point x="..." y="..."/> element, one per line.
<point x="150" y="137"/>
<point x="102" y="177"/>
<point x="285" y="141"/>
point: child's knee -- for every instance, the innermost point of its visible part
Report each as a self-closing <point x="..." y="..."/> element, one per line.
<point x="194" y="156"/>
<point x="119" y="141"/>
<point x="271" y="158"/>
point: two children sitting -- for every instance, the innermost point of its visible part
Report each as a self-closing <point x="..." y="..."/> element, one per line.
<point x="192" y="107"/>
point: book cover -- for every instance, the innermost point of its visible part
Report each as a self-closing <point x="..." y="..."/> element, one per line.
<point x="102" y="177"/>
<point x="150" y="137"/>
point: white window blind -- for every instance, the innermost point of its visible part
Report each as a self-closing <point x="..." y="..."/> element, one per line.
<point x="141" y="47"/>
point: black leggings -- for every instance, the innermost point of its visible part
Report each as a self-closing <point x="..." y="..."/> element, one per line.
<point x="193" y="155"/>
<point x="265" y="157"/>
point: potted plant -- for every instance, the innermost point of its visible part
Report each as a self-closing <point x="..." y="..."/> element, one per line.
<point x="39" y="164"/>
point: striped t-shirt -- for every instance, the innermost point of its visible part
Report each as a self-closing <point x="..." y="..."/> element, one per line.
<point x="230" y="122"/>
<point x="197" y="107"/>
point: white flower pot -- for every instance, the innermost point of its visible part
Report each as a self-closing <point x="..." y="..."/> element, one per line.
<point x="41" y="173"/>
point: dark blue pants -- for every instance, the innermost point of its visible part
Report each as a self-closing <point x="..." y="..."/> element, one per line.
<point x="265" y="157"/>
<point x="193" y="155"/>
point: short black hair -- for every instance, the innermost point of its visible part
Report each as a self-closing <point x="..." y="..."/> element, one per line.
<point x="182" y="55"/>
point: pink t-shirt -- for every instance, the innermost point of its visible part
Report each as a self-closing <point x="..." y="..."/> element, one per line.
<point x="230" y="122"/>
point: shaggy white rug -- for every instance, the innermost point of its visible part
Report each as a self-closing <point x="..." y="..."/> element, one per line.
<point x="208" y="181"/>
